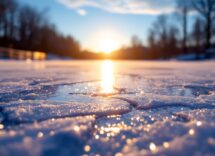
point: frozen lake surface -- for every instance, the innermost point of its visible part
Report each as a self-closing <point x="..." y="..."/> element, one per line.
<point x="107" y="108"/>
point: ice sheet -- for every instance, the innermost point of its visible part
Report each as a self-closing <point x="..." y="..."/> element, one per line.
<point x="107" y="108"/>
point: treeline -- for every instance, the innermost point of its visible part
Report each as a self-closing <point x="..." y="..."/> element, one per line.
<point x="23" y="27"/>
<point x="170" y="35"/>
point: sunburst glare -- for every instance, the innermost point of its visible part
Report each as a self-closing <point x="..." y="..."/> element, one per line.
<point x="107" y="77"/>
<point x="108" y="45"/>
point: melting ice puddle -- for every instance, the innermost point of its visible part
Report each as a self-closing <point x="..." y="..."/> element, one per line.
<point x="73" y="93"/>
<point x="188" y="91"/>
<point x="85" y="92"/>
<point x="176" y="91"/>
<point x="111" y="84"/>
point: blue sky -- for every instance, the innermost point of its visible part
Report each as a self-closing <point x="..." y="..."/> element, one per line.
<point x="89" y="21"/>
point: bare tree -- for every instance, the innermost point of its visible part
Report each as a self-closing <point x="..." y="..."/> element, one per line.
<point x="163" y="38"/>
<point x="12" y="10"/>
<point x="151" y="39"/>
<point x="29" y="25"/>
<point x="206" y="8"/>
<point x="183" y="8"/>
<point x="26" y="28"/>
<point x="197" y="33"/>
<point x="2" y="14"/>
<point x="161" y="29"/>
<point x="172" y="38"/>
<point x="136" y="41"/>
<point x="8" y="9"/>
<point x="158" y="33"/>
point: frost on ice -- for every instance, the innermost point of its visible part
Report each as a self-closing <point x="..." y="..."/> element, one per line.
<point x="107" y="108"/>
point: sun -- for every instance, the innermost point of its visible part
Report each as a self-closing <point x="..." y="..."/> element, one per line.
<point x="108" y="45"/>
<point x="106" y="40"/>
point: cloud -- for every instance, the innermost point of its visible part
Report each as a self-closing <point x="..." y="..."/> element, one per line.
<point x="124" y="6"/>
<point x="82" y="12"/>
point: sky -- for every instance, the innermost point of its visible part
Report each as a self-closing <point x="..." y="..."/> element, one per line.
<point x="91" y="21"/>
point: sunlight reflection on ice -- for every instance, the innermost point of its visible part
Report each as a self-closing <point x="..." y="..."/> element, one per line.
<point x="107" y="77"/>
